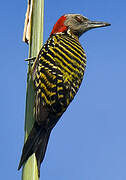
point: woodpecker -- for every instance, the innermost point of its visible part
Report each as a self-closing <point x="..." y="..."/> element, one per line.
<point x="57" y="73"/>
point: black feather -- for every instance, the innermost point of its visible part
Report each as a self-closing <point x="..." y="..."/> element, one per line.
<point x="36" y="143"/>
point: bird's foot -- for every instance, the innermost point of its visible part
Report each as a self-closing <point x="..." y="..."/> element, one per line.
<point x="31" y="59"/>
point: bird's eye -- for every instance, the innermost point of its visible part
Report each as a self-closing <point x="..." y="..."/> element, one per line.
<point x="79" y="19"/>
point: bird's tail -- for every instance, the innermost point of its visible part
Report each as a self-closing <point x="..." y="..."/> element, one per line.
<point x="36" y="143"/>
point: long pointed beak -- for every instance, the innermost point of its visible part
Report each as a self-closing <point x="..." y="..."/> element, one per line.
<point x="96" y="24"/>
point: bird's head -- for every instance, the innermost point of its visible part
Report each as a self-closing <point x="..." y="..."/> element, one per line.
<point x="76" y="24"/>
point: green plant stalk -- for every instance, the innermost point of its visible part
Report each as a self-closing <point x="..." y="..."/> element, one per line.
<point x="30" y="171"/>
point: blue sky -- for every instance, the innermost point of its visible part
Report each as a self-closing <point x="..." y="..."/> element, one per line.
<point x="89" y="142"/>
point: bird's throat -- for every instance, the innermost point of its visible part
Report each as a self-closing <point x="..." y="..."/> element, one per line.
<point x="69" y="32"/>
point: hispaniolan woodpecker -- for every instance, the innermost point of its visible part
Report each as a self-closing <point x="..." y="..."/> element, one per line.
<point x="57" y="74"/>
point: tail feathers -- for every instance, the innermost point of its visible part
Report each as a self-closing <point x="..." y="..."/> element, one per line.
<point x="36" y="143"/>
<point x="40" y="153"/>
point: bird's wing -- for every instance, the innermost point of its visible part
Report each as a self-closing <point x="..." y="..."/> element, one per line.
<point x="55" y="82"/>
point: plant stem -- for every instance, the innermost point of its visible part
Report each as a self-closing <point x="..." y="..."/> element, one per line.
<point x="30" y="171"/>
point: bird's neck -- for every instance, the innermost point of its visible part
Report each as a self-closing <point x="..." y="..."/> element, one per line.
<point x="69" y="32"/>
